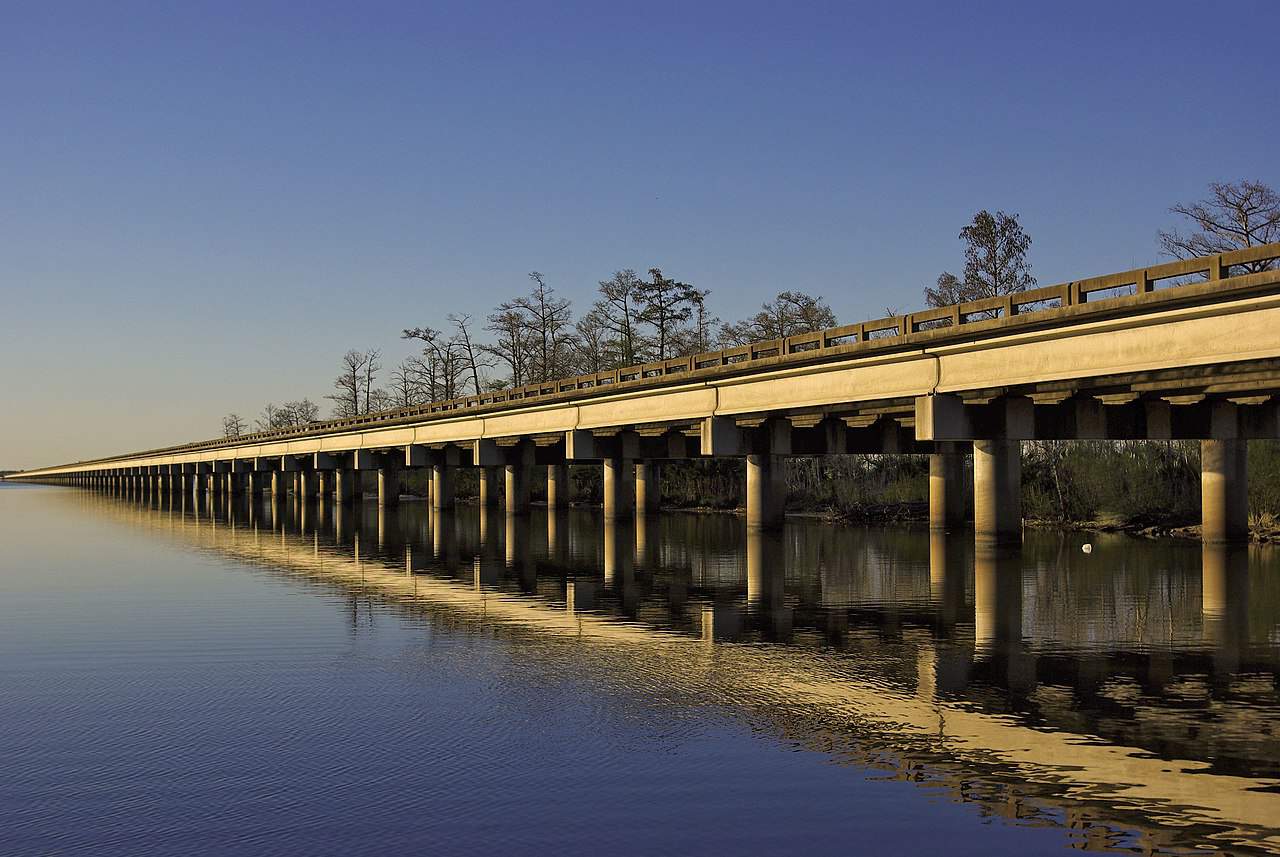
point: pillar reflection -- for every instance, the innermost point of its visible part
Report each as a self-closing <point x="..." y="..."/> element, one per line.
<point x="1224" y="602"/>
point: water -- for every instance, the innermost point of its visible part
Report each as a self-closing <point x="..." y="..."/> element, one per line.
<point x="176" y="678"/>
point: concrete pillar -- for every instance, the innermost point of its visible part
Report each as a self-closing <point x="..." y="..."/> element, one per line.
<point x="557" y="486"/>
<point x="997" y="491"/>
<point x="648" y="486"/>
<point x="517" y="487"/>
<point x="441" y="486"/>
<point x="211" y="484"/>
<point x="304" y="484"/>
<point x="766" y="491"/>
<point x="619" y="487"/>
<point x="1224" y="491"/>
<point x="388" y="486"/>
<point x="277" y="485"/>
<point x="251" y="480"/>
<point x="322" y="482"/>
<point x="946" y="487"/>
<point x="488" y="481"/>
<point x="343" y="485"/>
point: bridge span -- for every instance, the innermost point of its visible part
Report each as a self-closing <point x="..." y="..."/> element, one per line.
<point x="1182" y="350"/>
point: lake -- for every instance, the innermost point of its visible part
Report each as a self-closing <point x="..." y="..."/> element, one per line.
<point x="181" y="676"/>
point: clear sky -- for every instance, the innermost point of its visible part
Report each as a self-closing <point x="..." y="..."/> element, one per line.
<point x="203" y="205"/>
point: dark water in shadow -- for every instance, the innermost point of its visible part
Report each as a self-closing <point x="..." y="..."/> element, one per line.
<point x="238" y="679"/>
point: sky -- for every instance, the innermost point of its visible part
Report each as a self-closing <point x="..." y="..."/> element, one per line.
<point x="203" y="205"/>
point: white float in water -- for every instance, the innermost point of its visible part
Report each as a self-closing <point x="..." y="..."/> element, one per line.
<point x="1086" y="548"/>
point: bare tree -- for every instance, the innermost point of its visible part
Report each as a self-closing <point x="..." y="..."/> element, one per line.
<point x="299" y="413"/>
<point x="548" y="318"/>
<point x="371" y="369"/>
<point x="232" y="426"/>
<point x="595" y="346"/>
<point x="995" y="262"/>
<point x="270" y="418"/>
<point x="511" y="341"/>
<point x="788" y="314"/>
<point x="618" y="308"/>
<point x="1235" y="215"/>
<point x="665" y="304"/>
<point x="289" y="415"/>
<point x="471" y="353"/>
<point x="442" y="365"/>
<point x="346" y="398"/>
<point x="407" y="384"/>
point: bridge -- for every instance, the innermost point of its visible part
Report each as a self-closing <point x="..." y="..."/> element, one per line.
<point x="1181" y="350"/>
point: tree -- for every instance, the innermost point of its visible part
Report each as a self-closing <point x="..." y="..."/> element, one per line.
<point x="788" y="314"/>
<point x="512" y="341"/>
<point x="595" y="347"/>
<point x="289" y="415"/>
<point x="232" y="426"/>
<point x="618" y="311"/>
<point x="299" y="413"/>
<point x="1234" y="216"/>
<point x="471" y="354"/>
<point x="270" y="418"/>
<point x="354" y="386"/>
<point x="547" y="318"/>
<point x="406" y="384"/>
<point x="371" y="369"/>
<point x="995" y="262"/>
<point x="441" y="367"/>
<point x="665" y="304"/>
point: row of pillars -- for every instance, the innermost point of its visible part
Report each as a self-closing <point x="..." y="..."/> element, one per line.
<point x="632" y="486"/>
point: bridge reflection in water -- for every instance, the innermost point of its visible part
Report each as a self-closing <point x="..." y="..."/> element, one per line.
<point x="1128" y="695"/>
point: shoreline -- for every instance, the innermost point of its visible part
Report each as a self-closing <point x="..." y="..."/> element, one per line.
<point x="1260" y="532"/>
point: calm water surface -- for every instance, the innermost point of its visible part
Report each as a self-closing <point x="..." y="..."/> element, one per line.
<point x="193" y="678"/>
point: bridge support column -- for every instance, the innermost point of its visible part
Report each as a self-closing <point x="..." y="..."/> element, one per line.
<point x="304" y="484"/>
<point x="343" y="485"/>
<point x="517" y="486"/>
<point x="388" y="486"/>
<point x="441" y="486"/>
<point x="487" y="477"/>
<point x="766" y="491"/>
<point x="557" y="486"/>
<point x="1224" y="491"/>
<point x="648" y="486"/>
<point x="946" y="487"/>
<point x="997" y="491"/>
<point x="619" y="487"/>
<point x="277" y="485"/>
<point x="322" y="482"/>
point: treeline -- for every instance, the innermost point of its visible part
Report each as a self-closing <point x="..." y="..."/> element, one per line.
<point x="538" y="337"/>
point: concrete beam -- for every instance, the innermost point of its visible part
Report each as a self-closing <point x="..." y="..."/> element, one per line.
<point x="945" y="417"/>
<point x="721" y="436"/>
<point x="580" y="445"/>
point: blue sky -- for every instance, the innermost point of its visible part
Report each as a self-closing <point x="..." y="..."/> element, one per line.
<point x="204" y="205"/>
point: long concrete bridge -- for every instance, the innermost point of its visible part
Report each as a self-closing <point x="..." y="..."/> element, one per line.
<point x="1181" y="350"/>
